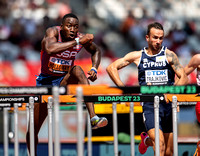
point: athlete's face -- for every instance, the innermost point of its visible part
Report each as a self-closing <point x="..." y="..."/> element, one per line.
<point x="70" y="28"/>
<point x="155" y="39"/>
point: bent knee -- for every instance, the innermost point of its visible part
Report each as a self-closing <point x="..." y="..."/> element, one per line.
<point x="162" y="146"/>
<point x="169" y="152"/>
<point x="79" y="74"/>
<point x="77" y="68"/>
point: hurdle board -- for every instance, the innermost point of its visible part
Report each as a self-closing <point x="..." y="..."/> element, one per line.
<point x="32" y="90"/>
<point x="108" y="90"/>
<point x="101" y="89"/>
<point x="8" y="101"/>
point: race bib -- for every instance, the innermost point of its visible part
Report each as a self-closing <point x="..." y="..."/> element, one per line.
<point x="156" y="77"/>
<point x="58" y="65"/>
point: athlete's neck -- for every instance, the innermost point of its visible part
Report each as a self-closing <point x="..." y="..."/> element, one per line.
<point x="150" y="51"/>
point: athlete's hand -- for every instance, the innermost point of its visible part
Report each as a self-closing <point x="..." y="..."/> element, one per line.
<point x="92" y="75"/>
<point x="87" y="38"/>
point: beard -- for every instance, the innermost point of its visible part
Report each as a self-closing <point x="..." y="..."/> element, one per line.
<point x="156" y="47"/>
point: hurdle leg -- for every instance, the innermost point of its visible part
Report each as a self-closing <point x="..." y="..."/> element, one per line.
<point x="50" y="126"/>
<point x="5" y="131"/>
<point x="31" y="120"/>
<point x="56" y="121"/>
<point x="27" y="115"/>
<point x="16" y="140"/>
<point x="156" y="120"/>
<point x="132" y="131"/>
<point x="27" y="121"/>
<point x="89" y="135"/>
<point x="79" y="100"/>
<point x="115" y="129"/>
<point x="174" y="117"/>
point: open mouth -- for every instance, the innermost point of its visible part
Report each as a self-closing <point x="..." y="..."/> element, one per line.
<point x="72" y="35"/>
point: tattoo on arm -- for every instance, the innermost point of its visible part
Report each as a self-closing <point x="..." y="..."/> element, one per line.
<point x="174" y="61"/>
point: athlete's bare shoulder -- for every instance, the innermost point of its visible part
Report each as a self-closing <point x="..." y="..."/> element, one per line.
<point x="196" y="57"/>
<point x="173" y="60"/>
<point x="133" y="56"/>
<point x="52" y="32"/>
<point x="171" y="56"/>
<point x="51" y="35"/>
<point x="195" y="61"/>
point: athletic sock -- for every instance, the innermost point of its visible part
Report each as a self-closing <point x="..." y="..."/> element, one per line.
<point x="94" y="118"/>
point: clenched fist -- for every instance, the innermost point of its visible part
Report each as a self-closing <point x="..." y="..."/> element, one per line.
<point x="87" y="38"/>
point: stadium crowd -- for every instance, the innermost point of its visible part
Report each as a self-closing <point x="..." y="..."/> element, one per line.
<point x="117" y="29"/>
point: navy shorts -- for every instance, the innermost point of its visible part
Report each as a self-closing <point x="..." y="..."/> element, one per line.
<point x="165" y="116"/>
<point x="48" y="80"/>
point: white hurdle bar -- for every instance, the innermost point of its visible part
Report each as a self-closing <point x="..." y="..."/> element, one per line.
<point x="156" y="122"/>
<point x="31" y="122"/>
<point x="115" y="128"/>
<point x="56" y="120"/>
<point x="89" y="135"/>
<point x="175" y="123"/>
<point x="5" y="131"/>
<point x="132" y="130"/>
<point x="30" y="113"/>
<point x="79" y="101"/>
<point x="16" y="139"/>
<point x="50" y="126"/>
<point x="80" y="137"/>
<point x="174" y="120"/>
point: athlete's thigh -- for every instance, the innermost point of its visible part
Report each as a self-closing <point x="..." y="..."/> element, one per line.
<point x="77" y="76"/>
<point x="152" y="134"/>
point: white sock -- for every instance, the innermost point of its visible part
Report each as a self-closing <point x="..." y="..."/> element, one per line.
<point x="94" y="118"/>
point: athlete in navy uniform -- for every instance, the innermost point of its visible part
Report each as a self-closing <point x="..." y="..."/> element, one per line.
<point x="59" y="48"/>
<point x="157" y="65"/>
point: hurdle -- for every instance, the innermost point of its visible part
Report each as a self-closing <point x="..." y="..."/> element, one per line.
<point x="192" y="89"/>
<point x="114" y="99"/>
<point x="156" y="123"/>
<point x="5" y="132"/>
<point x="13" y="101"/>
<point x="50" y="125"/>
<point x="116" y="93"/>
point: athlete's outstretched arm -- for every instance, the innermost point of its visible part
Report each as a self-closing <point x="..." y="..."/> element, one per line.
<point x="95" y="52"/>
<point x="178" y="69"/>
<point x="193" y="64"/>
<point x="113" y="68"/>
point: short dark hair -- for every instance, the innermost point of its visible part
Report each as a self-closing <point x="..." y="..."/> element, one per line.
<point x="155" y="25"/>
<point x="68" y="16"/>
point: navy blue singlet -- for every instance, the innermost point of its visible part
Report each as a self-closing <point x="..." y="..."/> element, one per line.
<point x="155" y="69"/>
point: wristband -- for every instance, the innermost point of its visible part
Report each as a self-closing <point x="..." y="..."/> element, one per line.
<point x="94" y="69"/>
<point x="77" y="40"/>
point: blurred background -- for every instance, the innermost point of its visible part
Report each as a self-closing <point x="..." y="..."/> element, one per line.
<point x="119" y="26"/>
